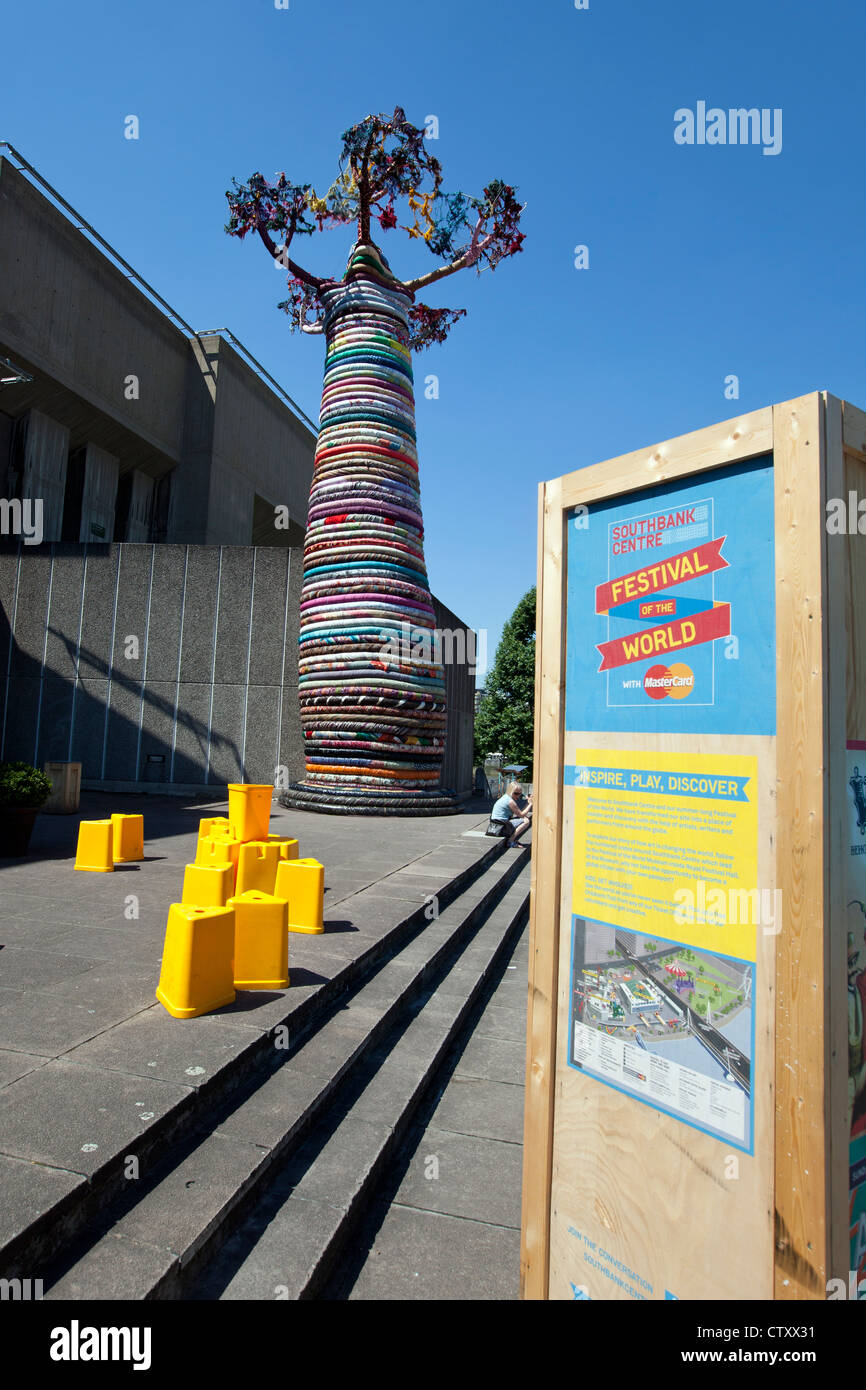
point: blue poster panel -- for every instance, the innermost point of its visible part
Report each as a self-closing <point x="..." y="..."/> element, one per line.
<point x="671" y="608"/>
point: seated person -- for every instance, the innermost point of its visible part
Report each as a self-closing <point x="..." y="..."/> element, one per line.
<point x="511" y="814"/>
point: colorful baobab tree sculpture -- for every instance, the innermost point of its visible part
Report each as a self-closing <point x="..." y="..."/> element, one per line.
<point x="371" y="679"/>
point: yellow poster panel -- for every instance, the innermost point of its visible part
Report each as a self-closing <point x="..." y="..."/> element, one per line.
<point x="667" y="844"/>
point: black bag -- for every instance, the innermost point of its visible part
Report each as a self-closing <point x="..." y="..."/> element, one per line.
<point x="498" y="828"/>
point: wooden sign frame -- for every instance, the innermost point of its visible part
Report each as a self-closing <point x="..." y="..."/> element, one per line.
<point x="798" y="1228"/>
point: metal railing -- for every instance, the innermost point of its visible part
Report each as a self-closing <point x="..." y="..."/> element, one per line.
<point x="82" y="225"/>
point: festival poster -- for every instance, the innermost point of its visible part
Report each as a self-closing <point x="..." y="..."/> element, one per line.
<point x="671" y="604"/>
<point x="664" y="929"/>
<point x="856" y="924"/>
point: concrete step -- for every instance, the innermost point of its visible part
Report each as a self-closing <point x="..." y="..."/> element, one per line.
<point x="143" y="1245"/>
<point x="292" y="1242"/>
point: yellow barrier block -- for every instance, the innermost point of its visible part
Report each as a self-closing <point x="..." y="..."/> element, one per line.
<point x="210" y="824"/>
<point x="95" y="852"/>
<point x="197" y="973"/>
<point x="257" y="867"/>
<point x="206" y="885"/>
<point x="128" y="838"/>
<point x="217" y="849"/>
<point x="302" y="883"/>
<point x="261" y="941"/>
<point x="250" y="809"/>
<point x="288" y="848"/>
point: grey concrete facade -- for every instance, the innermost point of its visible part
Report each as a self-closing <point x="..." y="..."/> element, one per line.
<point x="152" y="665"/>
<point x="122" y="404"/>
<point x="167" y="667"/>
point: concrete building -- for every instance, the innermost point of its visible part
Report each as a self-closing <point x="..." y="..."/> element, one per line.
<point x="127" y="424"/>
<point x="150" y="632"/>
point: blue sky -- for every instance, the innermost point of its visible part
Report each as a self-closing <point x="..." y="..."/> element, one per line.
<point x="704" y="261"/>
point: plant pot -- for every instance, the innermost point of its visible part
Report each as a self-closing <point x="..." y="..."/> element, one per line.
<point x="16" y="827"/>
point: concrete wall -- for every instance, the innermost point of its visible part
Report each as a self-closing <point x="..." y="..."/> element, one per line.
<point x="205" y="694"/>
<point x="210" y="697"/>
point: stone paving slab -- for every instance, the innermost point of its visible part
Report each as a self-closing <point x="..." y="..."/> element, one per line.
<point x="28" y="968"/>
<point x="164" y="1049"/>
<point x="112" y="942"/>
<point x="494" y="1059"/>
<point x="490" y="1109"/>
<point x="50" y="1027"/>
<point x="268" y="1116"/>
<point x="195" y="1193"/>
<point x="287" y="1251"/>
<point x="354" y="1149"/>
<point x="430" y="1257"/>
<point x="394" y="1087"/>
<point x="75" y="1117"/>
<point x="117" y="1269"/>
<point x="505" y="1022"/>
<point x="28" y="1189"/>
<point x="15" y="1064"/>
<point x="478" y="1177"/>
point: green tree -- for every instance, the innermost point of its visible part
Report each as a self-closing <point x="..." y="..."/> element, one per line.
<point x="505" y="719"/>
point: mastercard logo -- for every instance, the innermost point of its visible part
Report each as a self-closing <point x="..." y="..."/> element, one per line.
<point x="677" y="681"/>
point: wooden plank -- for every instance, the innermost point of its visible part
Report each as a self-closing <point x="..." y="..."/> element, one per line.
<point x="801" y="1185"/>
<point x="835" y="659"/>
<point x="545" y="877"/>
<point x="854" y="429"/>
<point x="731" y="441"/>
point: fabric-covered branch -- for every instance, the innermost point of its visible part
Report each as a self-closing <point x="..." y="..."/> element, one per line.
<point x="385" y="162"/>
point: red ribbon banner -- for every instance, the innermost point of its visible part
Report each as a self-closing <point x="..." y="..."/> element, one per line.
<point x="678" y="569"/>
<point x="667" y="640"/>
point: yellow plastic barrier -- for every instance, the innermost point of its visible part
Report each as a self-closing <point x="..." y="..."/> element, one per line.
<point x="128" y="838"/>
<point x="209" y="825"/>
<point x="217" y="849"/>
<point x="250" y="809"/>
<point x="257" y="867"/>
<point x="302" y="883"/>
<point x="261" y="941"/>
<point x="206" y="885"/>
<point x="197" y="973"/>
<point x="288" y="848"/>
<point x="95" y="852"/>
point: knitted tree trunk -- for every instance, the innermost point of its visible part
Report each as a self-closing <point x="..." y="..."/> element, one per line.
<point x="371" y="680"/>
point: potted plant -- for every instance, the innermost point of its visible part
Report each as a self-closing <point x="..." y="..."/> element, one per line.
<point x="23" y="790"/>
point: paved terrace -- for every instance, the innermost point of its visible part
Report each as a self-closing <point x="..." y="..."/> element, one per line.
<point x="89" y="1061"/>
